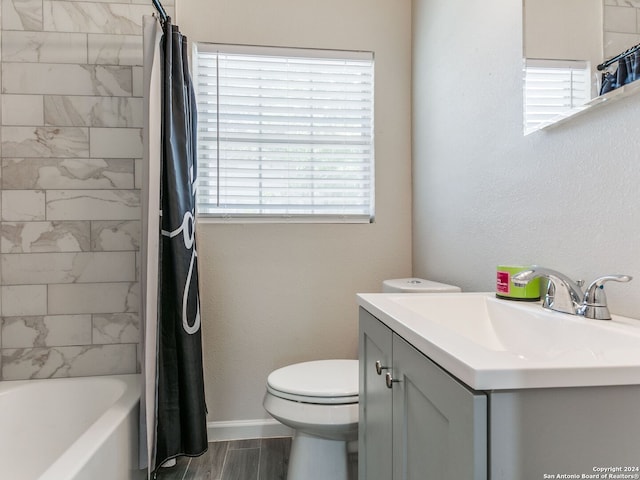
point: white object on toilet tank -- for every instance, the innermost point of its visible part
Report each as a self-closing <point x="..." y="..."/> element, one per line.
<point x="416" y="285"/>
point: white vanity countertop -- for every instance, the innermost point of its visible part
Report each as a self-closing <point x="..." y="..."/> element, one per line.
<point x="493" y="344"/>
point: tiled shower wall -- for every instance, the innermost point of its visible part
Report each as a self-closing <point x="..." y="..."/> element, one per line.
<point x="71" y="78"/>
<point x="621" y="26"/>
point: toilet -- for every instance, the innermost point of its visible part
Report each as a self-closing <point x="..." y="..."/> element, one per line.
<point x="319" y="401"/>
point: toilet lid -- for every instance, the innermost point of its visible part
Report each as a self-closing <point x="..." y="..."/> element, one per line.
<point x="314" y="381"/>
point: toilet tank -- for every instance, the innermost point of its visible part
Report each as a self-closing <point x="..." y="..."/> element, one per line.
<point x="416" y="285"/>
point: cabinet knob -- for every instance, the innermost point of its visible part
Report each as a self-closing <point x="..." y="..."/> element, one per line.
<point x="388" y="378"/>
<point x="380" y="368"/>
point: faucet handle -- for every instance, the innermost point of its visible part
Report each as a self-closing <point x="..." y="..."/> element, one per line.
<point x="595" y="301"/>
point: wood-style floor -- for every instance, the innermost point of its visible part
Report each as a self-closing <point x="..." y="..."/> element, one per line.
<point x="258" y="459"/>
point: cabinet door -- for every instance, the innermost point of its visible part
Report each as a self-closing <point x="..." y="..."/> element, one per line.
<point x="375" y="429"/>
<point x="439" y="425"/>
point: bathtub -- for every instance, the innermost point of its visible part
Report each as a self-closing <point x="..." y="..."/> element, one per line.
<point x="70" y="429"/>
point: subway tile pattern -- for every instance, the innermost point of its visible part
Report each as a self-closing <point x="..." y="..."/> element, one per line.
<point x="621" y="26"/>
<point x="70" y="159"/>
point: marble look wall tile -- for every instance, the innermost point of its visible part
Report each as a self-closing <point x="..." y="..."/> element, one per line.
<point x="138" y="264"/>
<point x="24" y="300"/>
<point x="115" y="235"/>
<point x="49" y="47"/>
<point x="116" y="142"/>
<point x="138" y="81"/>
<point x="45" y="142"/>
<point x="116" y="328"/>
<point x="71" y="143"/>
<point x="101" y="1"/>
<point x="41" y="237"/>
<point x="138" y="173"/>
<point x="91" y="111"/>
<point x="167" y="4"/>
<point x="115" y="49"/>
<point x="66" y="79"/>
<point x="46" y="331"/>
<point x="80" y="298"/>
<point x="91" y="17"/>
<point x="93" y="205"/>
<point x="22" y="110"/>
<point x="620" y="19"/>
<point x="68" y="173"/>
<point x="82" y="267"/>
<point x="76" y="361"/>
<point x="22" y="15"/>
<point x="23" y="205"/>
<point x="614" y="43"/>
<point x="623" y="3"/>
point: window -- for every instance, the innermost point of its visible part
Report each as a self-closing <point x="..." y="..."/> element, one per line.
<point x="552" y="89"/>
<point x="284" y="134"/>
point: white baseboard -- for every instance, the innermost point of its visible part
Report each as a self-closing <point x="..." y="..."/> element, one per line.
<point x="246" y="429"/>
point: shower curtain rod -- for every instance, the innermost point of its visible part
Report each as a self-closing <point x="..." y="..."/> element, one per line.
<point x="161" y="11"/>
<point x="624" y="54"/>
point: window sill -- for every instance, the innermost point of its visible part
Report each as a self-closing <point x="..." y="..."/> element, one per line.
<point x="323" y="219"/>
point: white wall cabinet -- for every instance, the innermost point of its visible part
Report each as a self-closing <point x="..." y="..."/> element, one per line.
<point x="416" y="421"/>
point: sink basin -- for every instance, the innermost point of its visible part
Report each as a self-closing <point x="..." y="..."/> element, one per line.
<point x="490" y="343"/>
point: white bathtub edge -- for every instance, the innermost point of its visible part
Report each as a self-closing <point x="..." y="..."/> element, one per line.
<point x="112" y="429"/>
<point x="246" y="429"/>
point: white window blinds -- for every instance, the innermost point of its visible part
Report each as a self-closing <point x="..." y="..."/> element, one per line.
<point x="284" y="133"/>
<point x="552" y="89"/>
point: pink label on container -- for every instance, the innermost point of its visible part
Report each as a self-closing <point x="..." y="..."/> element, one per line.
<point x="503" y="281"/>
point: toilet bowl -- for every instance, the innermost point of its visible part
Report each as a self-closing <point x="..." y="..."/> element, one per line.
<point x="319" y="401"/>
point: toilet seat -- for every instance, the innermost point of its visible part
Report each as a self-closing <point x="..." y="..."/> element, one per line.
<point x="324" y="382"/>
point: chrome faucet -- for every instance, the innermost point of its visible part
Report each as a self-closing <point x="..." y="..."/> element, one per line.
<point x="564" y="295"/>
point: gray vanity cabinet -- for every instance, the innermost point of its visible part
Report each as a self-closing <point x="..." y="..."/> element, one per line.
<point x="375" y="429"/>
<point x="427" y="425"/>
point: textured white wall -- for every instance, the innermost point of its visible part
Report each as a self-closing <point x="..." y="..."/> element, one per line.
<point x="566" y="198"/>
<point x="277" y="294"/>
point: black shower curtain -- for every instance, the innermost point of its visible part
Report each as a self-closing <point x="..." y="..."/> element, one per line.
<point x="181" y="411"/>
